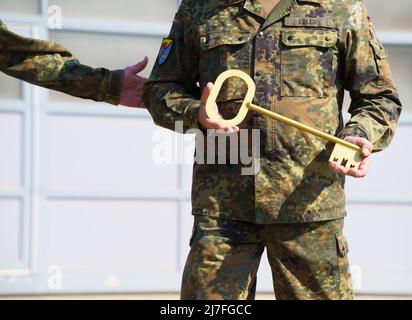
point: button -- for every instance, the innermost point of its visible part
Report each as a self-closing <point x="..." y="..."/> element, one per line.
<point x="261" y="33"/>
<point x="290" y="38"/>
<point x="241" y="38"/>
<point x="258" y="73"/>
<point x="328" y="38"/>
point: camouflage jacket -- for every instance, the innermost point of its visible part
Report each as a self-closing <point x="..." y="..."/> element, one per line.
<point x="302" y="57"/>
<point x="50" y="65"/>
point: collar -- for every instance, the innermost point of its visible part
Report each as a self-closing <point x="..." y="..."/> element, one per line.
<point x="284" y="8"/>
<point x="226" y="3"/>
<point x="312" y="1"/>
<point x="255" y="7"/>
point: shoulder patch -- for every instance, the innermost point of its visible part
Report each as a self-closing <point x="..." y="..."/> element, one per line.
<point x="165" y="49"/>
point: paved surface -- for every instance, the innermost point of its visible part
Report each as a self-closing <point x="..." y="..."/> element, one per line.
<point x="164" y="296"/>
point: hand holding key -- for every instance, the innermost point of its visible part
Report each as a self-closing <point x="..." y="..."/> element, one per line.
<point x="347" y="154"/>
<point x="216" y="123"/>
<point x="362" y="170"/>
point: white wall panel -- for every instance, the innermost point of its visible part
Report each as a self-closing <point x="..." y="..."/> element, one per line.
<point x="186" y="228"/>
<point x="109" y="51"/>
<point x="133" y="11"/>
<point x="97" y="204"/>
<point x="401" y="66"/>
<point x="10" y="88"/>
<point x="11" y="150"/>
<point x="387" y="177"/>
<point x="264" y="276"/>
<point x="112" y="235"/>
<point x="10" y="232"/>
<point x="394" y="15"/>
<point x="188" y="145"/>
<point x="105" y="154"/>
<point x="20" y="6"/>
<point x="379" y="239"/>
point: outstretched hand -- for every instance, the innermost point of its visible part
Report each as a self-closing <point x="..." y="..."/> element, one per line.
<point x="132" y="89"/>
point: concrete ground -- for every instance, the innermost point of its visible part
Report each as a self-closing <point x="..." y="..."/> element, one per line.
<point x="163" y="296"/>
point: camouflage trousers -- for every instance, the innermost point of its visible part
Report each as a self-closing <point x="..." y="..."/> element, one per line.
<point x="308" y="260"/>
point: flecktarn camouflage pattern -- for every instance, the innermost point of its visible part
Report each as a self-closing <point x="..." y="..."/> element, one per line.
<point x="308" y="260"/>
<point x="50" y="65"/>
<point x="302" y="57"/>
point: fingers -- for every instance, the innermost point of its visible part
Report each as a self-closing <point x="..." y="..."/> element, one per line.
<point x="366" y="145"/>
<point x="208" y="123"/>
<point x="366" y="151"/>
<point x="356" y="173"/>
<point x="206" y="93"/>
<point x="139" y="66"/>
<point x="362" y="170"/>
<point x="339" y="169"/>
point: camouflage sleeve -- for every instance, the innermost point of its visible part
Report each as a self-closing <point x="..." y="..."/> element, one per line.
<point x="172" y="93"/>
<point x="50" y="65"/>
<point x="375" y="105"/>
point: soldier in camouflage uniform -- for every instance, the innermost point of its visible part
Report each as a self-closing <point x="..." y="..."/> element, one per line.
<point x="50" y="65"/>
<point x="302" y="55"/>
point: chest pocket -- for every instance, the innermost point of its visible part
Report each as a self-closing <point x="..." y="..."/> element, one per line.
<point x="221" y="51"/>
<point x="307" y="62"/>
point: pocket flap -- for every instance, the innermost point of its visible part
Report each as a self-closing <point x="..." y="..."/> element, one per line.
<point x="317" y="38"/>
<point x="342" y="244"/>
<point x="212" y="40"/>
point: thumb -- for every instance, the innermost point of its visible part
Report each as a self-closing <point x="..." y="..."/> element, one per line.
<point x="206" y="93"/>
<point x="139" y="66"/>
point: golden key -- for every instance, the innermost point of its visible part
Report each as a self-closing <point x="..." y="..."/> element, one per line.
<point x="344" y="153"/>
